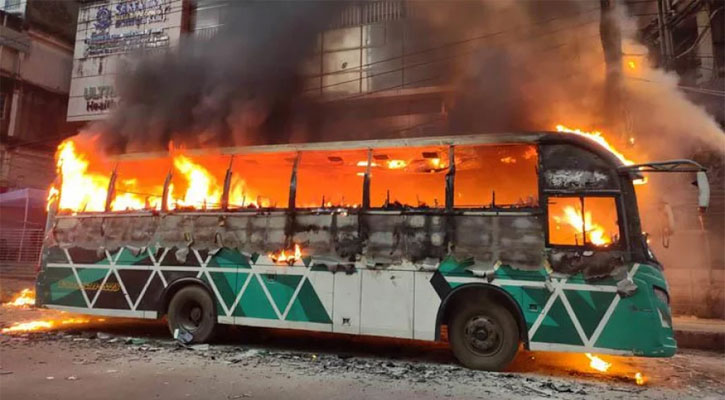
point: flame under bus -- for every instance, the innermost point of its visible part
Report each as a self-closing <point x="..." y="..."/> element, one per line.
<point x="389" y="238"/>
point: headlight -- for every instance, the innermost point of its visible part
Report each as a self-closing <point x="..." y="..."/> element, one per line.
<point x="661" y="295"/>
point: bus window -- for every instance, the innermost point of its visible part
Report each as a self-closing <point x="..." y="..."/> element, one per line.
<point x="261" y="180"/>
<point x="409" y="177"/>
<point x="598" y="217"/>
<point x="330" y="178"/>
<point x="496" y="175"/>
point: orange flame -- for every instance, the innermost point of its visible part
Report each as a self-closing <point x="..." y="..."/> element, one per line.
<point x="43" y="325"/>
<point x="639" y="378"/>
<point x="26" y="297"/>
<point x="597" y="363"/>
<point x="283" y="258"/>
<point x="508" y="160"/>
<point x="81" y="189"/>
<point x="596" y="234"/>
<point x="396" y="164"/>
<point x="599" y="138"/>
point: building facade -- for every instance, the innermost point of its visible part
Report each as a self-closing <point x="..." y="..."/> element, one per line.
<point x="36" y="47"/>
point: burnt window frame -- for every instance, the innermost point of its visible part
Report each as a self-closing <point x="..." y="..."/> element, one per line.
<point x="582" y="196"/>
<point x="450" y="195"/>
<point x="368" y="179"/>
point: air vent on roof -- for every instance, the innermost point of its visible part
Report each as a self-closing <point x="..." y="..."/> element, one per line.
<point x="334" y="159"/>
<point x="380" y="156"/>
<point x="430" y="154"/>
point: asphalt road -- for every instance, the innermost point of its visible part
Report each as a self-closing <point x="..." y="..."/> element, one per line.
<point x="122" y="359"/>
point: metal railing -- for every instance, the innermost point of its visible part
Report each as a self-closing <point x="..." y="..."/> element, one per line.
<point x="20" y="245"/>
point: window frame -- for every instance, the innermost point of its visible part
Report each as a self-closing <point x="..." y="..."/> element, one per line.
<point x="621" y="244"/>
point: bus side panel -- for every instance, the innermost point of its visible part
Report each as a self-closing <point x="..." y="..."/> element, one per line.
<point x="387" y="303"/>
<point x="346" y="310"/>
<point x="427" y="303"/>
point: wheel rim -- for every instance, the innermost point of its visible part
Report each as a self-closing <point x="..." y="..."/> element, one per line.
<point x="483" y="335"/>
<point x="191" y="316"/>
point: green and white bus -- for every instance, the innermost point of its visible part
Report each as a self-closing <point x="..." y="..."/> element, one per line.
<point x="506" y="240"/>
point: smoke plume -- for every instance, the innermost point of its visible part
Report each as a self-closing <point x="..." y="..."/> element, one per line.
<point x="506" y="66"/>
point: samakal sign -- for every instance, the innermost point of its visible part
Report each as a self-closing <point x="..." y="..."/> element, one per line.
<point x="108" y="31"/>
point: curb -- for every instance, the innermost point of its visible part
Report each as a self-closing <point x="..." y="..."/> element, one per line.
<point x="700" y="340"/>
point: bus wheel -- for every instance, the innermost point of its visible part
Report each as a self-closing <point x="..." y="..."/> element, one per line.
<point x="483" y="335"/>
<point x="192" y="309"/>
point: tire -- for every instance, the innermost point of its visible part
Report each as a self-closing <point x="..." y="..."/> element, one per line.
<point x="483" y="335"/>
<point x="192" y="309"/>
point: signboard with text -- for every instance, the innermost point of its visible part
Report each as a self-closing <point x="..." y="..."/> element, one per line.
<point x="108" y="32"/>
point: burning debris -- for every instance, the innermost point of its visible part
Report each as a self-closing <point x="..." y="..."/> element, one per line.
<point x="600" y="365"/>
<point x="32" y="326"/>
<point x="25" y="298"/>
<point x="281" y="257"/>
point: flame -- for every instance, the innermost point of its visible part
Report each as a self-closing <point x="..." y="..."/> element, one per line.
<point x="597" y="363"/>
<point x="639" y="378"/>
<point x="43" y="325"/>
<point x="396" y="164"/>
<point x="203" y="188"/>
<point x="26" y="297"/>
<point x="632" y="65"/>
<point x="597" y="137"/>
<point x="365" y="164"/>
<point x="282" y="258"/>
<point x="508" y="160"/>
<point x="595" y="232"/>
<point x="81" y="189"/>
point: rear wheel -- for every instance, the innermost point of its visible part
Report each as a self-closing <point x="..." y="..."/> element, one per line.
<point x="192" y="310"/>
<point x="483" y="335"/>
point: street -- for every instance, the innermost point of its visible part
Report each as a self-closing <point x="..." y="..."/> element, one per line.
<point x="126" y="358"/>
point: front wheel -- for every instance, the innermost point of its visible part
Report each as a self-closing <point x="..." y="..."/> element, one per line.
<point x="484" y="335"/>
<point x="191" y="311"/>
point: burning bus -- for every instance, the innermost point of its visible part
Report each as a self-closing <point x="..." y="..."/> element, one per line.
<point x="495" y="240"/>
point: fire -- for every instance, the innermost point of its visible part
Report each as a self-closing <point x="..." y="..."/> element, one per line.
<point x="78" y="188"/>
<point x="639" y="378"/>
<point x="43" y="325"/>
<point x="599" y="138"/>
<point x="508" y="160"/>
<point x="26" y="297"/>
<point x="597" y="363"/>
<point x="283" y="258"/>
<point x="396" y="164"/>
<point x="203" y="188"/>
<point x="595" y="232"/>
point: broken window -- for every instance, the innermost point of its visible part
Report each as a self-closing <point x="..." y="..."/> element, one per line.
<point x="579" y="221"/>
<point x="409" y="177"/>
<point x="503" y="176"/>
<point x="330" y="179"/>
<point x="261" y="180"/>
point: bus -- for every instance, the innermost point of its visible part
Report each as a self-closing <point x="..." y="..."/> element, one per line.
<point x="496" y="241"/>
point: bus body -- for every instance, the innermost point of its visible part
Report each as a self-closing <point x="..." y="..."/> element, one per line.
<point x="487" y="261"/>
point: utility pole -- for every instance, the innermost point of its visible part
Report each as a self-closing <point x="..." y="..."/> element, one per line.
<point x="611" y="37"/>
<point x="664" y="10"/>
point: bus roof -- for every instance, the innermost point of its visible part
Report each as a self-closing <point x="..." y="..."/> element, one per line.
<point x="489" y="138"/>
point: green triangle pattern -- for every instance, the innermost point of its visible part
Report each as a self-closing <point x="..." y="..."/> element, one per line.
<point x="533" y="297"/>
<point x="557" y="327"/>
<point x="64" y="288"/>
<point x="307" y="307"/>
<point x="127" y="258"/>
<point x="225" y="282"/>
<point x="254" y="302"/>
<point x="229" y="258"/>
<point x="589" y="307"/>
<point x="281" y="288"/>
